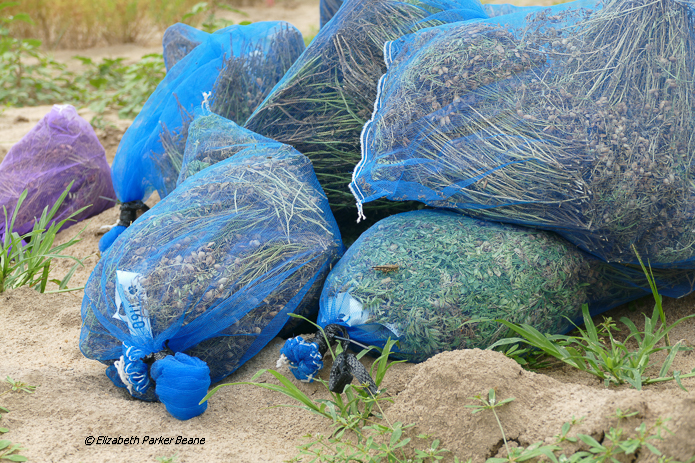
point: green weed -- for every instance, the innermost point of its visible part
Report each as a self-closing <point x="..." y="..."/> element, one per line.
<point x="112" y="84"/>
<point x="596" y="351"/>
<point x="27" y="76"/>
<point x="171" y="459"/>
<point x="29" y="264"/>
<point x="205" y="13"/>
<point x="18" y="386"/>
<point x="3" y="410"/>
<point x="615" y="443"/>
<point x="360" y="429"/>
<point x="10" y="451"/>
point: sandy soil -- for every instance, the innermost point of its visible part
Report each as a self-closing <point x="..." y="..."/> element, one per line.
<point x="75" y="400"/>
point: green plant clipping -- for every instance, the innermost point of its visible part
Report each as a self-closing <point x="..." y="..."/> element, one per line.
<point x="437" y="280"/>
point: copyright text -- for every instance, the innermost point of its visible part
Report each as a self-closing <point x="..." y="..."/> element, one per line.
<point x="144" y="440"/>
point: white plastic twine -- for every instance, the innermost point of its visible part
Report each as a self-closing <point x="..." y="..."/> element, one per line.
<point x="206" y="104"/>
<point x="130" y="370"/>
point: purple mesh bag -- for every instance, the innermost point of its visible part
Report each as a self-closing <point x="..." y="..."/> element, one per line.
<point x="60" y="149"/>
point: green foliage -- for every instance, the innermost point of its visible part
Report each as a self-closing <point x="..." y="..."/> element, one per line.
<point x="112" y="84"/>
<point x="3" y="410"/>
<point x="79" y="24"/>
<point x="598" y="352"/>
<point x="361" y="430"/>
<point x="210" y="22"/>
<point x="18" y="386"/>
<point x="27" y="76"/>
<point x="615" y="443"/>
<point x="29" y="264"/>
<point x="10" y="451"/>
<point x="171" y="459"/>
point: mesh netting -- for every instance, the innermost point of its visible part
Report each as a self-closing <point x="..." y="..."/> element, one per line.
<point x="178" y="41"/>
<point x="60" y="149"/>
<point x="212" y="138"/>
<point x="429" y="278"/>
<point x="214" y="269"/>
<point x="328" y="9"/>
<point x="322" y="103"/>
<point x="494" y="10"/>
<point x="238" y="68"/>
<point x="577" y="118"/>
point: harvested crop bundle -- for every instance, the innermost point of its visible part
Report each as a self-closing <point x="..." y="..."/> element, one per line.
<point x="213" y="270"/>
<point x="237" y="67"/>
<point x="212" y="139"/>
<point x="436" y="281"/>
<point x="322" y="103"/>
<point x="60" y="149"/>
<point x="577" y="118"/>
<point x="178" y="41"/>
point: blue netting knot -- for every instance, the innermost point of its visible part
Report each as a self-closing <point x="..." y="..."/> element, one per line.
<point x="304" y="358"/>
<point x="132" y="370"/>
<point x="182" y="382"/>
<point x="109" y="237"/>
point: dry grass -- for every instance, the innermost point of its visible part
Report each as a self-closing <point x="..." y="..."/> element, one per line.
<point x="89" y="23"/>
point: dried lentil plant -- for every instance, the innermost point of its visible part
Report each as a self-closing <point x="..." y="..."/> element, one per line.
<point x="225" y="254"/>
<point x="322" y="104"/>
<point x="242" y="84"/>
<point x="212" y="139"/>
<point x="450" y="276"/>
<point x="581" y="122"/>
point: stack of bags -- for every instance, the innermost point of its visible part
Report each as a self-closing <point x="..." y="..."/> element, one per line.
<point x="543" y="155"/>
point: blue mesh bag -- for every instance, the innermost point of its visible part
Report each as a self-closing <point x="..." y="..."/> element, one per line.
<point x="179" y="40"/>
<point x="436" y="280"/>
<point x="207" y="277"/>
<point x="494" y="10"/>
<point x="576" y="118"/>
<point x="237" y="67"/>
<point x="322" y="103"/>
<point x="212" y="138"/>
<point x="328" y="9"/>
